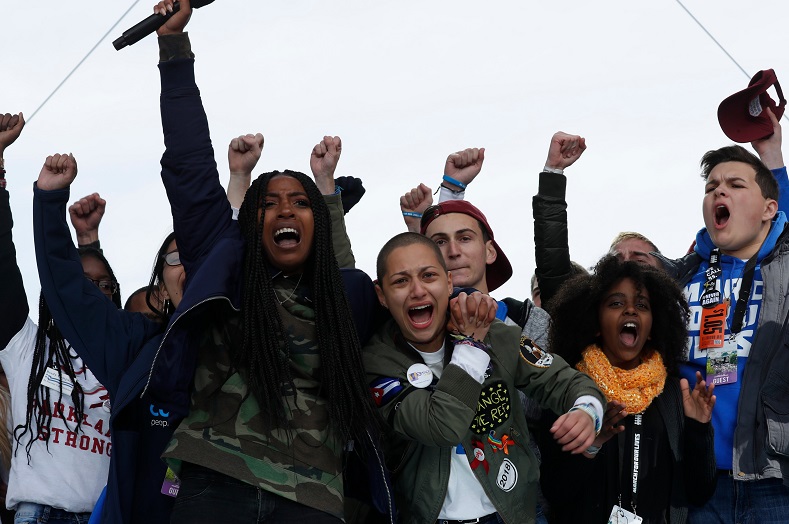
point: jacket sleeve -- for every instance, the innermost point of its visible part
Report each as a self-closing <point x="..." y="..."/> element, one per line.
<point x="201" y="212"/>
<point x="783" y="188"/>
<point x="551" y="248"/>
<point x="341" y="242"/>
<point x="439" y="415"/>
<point x="699" y="461"/>
<point x="106" y="338"/>
<point x="542" y="376"/>
<point x="13" y="300"/>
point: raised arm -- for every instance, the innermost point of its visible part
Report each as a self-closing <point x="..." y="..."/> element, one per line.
<point x="200" y="209"/>
<point x="13" y="300"/>
<point x="105" y="337"/>
<point x="769" y="151"/>
<point x="551" y="246"/>
<point x="413" y="204"/>
<point x="86" y="214"/>
<point x="243" y="154"/>
<point x="323" y="163"/>
<point x="460" y="169"/>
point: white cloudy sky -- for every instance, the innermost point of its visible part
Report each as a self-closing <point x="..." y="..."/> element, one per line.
<point x="404" y="84"/>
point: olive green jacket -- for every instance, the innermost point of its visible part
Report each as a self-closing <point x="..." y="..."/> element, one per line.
<point x="425" y="423"/>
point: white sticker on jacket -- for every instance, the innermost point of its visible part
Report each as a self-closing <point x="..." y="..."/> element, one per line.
<point x="508" y="475"/>
<point x="419" y="376"/>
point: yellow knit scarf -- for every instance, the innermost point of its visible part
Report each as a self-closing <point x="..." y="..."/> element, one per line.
<point x="635" y="388"/>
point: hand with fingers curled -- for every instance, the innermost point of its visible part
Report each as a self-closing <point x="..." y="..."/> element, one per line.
<point x="178" y="21"/>
<point x="463" y="166"/>
<point x="244" y="152"/>
<point x="413" y="204"/>
<point x="564" y="150"/>
<point x="472" y="314"/>
<point x="58" y="172"/>
<point x="323" y="162"/>
<point x="698" y="404"/>
<point x="574" y="431"/>
<point x="86" y="214"/>
<point x="10" y="129"/>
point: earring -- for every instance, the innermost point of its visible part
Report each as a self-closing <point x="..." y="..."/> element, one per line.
<point x="168" y="307"/>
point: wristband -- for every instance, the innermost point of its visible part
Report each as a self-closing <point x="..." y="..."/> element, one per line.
<point x="589" y="410"/>
<point x="593" y="450"/>
<point x="337" y="189"/>
<point x="454" y="191"/>
<point x="412" y="214"/>
<point x="555" y="170"/>
<point x="458" y="338"/>
<point x="452" y="181"/>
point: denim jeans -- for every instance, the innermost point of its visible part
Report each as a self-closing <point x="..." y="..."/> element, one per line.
<point x="31" y="513"/>
<point x="739" y="502"/>
<point x="209" y="497"/>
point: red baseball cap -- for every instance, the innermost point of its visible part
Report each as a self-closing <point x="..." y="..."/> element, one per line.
<point x="500" y="270"/>
<point x="742" y="116"/>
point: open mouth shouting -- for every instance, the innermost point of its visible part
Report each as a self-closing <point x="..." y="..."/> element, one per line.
<point x="628" y="335"/>
<point x="287" y="237"/>
<point x="421" y="316"/>
<point x="721" y="216"/>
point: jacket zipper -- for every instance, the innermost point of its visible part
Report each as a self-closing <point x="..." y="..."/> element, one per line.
<point x="164" y="339"/>
<point x="383" y="477"/>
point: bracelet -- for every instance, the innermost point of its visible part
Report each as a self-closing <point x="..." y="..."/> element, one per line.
<point x="337" y="189"/>
<point x="458" y="338"/>
<point x="593" y="450"/>
<point x="455" y="191"/>
<point x="412" y="214"/>
<point x="589" y="410"/>
<point x="452" y="181"/>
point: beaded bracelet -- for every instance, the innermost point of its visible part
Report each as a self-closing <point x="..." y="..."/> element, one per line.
<point x="458" y="338"/>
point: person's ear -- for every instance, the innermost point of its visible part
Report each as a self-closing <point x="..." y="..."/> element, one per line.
<point x="770" y="209"/>
<point x="490" y="253"/>
<point x="380" y="293"/>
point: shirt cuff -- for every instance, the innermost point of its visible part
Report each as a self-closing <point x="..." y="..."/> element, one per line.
<point x="445" y="194"/>
<point x="472" y="360"/>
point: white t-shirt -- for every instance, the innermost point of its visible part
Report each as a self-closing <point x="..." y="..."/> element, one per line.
<point x="72" y="472"/>
<point x="465" y="497"/>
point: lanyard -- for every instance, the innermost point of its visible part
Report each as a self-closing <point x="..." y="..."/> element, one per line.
<point x="636" y="453"/>
<point x="712" y="297"/>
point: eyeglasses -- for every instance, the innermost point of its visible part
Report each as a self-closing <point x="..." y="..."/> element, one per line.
<point x="108" y="287"/>
<point x="172" y="258"/>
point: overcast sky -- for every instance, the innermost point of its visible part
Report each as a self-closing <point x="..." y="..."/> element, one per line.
<point x="404" y="84"/>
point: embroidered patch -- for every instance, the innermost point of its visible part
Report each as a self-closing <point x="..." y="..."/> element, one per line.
<point x="384" y="390"/>
<point x="419" y="375"/>
<point x="493" y="408"/>
<point x="535" y="356"/>
<point x="508" y="476"/>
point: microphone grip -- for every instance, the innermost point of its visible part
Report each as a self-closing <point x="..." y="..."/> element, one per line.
<point x="139" y="31"/>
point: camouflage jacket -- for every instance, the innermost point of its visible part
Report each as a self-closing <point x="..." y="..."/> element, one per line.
<point x="226" y="431"/>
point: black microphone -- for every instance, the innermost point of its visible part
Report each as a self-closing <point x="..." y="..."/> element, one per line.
<point x="136" y="33"/>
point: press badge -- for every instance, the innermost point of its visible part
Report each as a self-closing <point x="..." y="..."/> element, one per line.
<point x="622" y="516"/>
<point x="713" y="325"/>
<point x="52" y="380"/>
<point x="722" y="364"/>
<point x="171" y="484"/>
